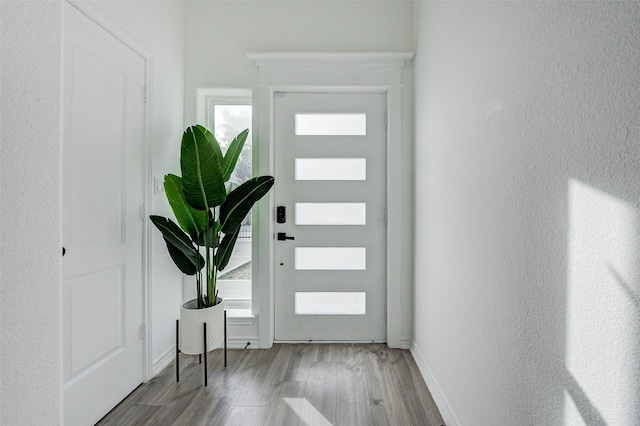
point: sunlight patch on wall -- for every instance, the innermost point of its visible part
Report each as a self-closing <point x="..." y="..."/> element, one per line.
<point x="603" y="309"/>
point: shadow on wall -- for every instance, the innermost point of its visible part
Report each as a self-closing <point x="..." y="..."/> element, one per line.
<point x="602" y="340"/>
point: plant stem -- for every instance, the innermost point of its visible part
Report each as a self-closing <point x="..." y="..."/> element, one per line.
<point x="208" y="260"/>
<point x="199" y="289"/>
<point x="198" y="280"/>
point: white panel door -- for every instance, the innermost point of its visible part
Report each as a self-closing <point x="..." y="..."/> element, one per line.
<point x="330" y="250"/>
<point x="103" y="172"/>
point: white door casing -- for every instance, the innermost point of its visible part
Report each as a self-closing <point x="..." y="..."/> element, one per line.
<point x="104" y="126"/>
<point x="383" y="72"/>
<point x="330" y="170"/>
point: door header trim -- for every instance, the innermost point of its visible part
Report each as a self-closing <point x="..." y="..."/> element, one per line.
<point x="396" y="59"/>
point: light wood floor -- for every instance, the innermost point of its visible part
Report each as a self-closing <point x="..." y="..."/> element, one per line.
<point x="304" y="384"/>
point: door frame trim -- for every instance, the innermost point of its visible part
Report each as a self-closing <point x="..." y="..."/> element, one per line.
<point x="338" y="73"/>
<point x="112" y="28"/>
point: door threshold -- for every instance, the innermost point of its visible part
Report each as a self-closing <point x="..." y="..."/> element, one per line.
<point x="330" y="341"/>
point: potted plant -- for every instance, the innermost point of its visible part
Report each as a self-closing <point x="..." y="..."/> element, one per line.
<point x="209" y="216"/>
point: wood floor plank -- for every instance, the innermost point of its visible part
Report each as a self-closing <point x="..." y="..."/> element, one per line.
<point x="302" y="356"/>
<point x="215" y="404"/>
<point x="321" y="394"/>
<point x="179" y="396"/>
<point x="421" y="407"/>
<point x="136" y="414"/>
<point x="162" y="392"/>
<point x="259" y="387"/>
<point x="354" y="405"/>
<point x="333" y="352"/>
<point x="165" y="388"/>
<point x="119" y="411"/>
<point x="247" y="416"/>
<point x="391" y="390"/>
<point x="183" y="400"/>
<point x="287" y="404"/>
<point x="306" y="384"/>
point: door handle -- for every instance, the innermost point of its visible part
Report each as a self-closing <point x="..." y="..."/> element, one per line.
<point x="282" y="236"/>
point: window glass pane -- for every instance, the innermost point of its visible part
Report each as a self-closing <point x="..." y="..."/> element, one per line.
<point x="330" y="258"/>
<point x="331" y="169"/>
<point x="331" y="213"/>
<point x="332" y="124"/>
<point x="229" y="120"/>
<point x="330" y="303"/>
<point x="234" y="282"/>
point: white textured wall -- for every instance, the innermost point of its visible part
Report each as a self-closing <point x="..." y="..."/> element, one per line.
<point x="220" y="34"/>
<point x="159" y="26"/>
<point x="527" y="252"/>
<point x="30" y="207"/>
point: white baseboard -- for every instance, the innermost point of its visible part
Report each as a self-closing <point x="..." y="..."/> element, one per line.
<point x="163" y="360"/>
<point x="169" y="355"/>
<point x="438" y="395"/>
<point x="406" y="343"/>
<point x="241" y="343"/>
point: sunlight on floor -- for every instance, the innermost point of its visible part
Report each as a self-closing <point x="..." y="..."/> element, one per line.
<point x="308" y="414"/>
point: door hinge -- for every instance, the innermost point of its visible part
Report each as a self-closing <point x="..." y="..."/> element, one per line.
<point x="385" y="312"/>
<point x="386" y="216"/>
<point x="143" y="331"/>
<point x="143" y="212"/>
<point x="144" y="94"/>
<point x="386" y="119"/>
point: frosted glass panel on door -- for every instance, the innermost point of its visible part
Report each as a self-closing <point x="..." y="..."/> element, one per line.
<point x="331" y="213"/>
<point x="331" y="124"/>
<point x="330" y="303"/>
<point x="331" y="258"/>
<point x="331" y="169"/>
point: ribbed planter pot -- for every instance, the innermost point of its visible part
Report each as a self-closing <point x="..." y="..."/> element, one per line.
<point x="191" y="327"/>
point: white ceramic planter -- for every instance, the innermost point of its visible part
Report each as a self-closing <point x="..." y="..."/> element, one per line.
<point x="191" y="327"/>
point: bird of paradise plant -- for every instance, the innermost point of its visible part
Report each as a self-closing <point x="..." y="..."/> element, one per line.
<point x="209" y="213"/>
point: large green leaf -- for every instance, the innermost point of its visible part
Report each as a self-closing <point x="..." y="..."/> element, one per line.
<point x="232" y="154"/>
<point x="189" y="265"/>
<point x="202" y="180"/>
<point x="172" y="232"/>
<point x="240" y="200"/>
<point x="212" y="140"/>
<point x="191" y="220"/>
<point x="179" y="242"/>
<point x="226" y="248"/>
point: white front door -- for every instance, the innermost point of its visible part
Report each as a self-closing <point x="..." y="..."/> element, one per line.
<point x="103" y="191"/>
<point x="330" y="193"/>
